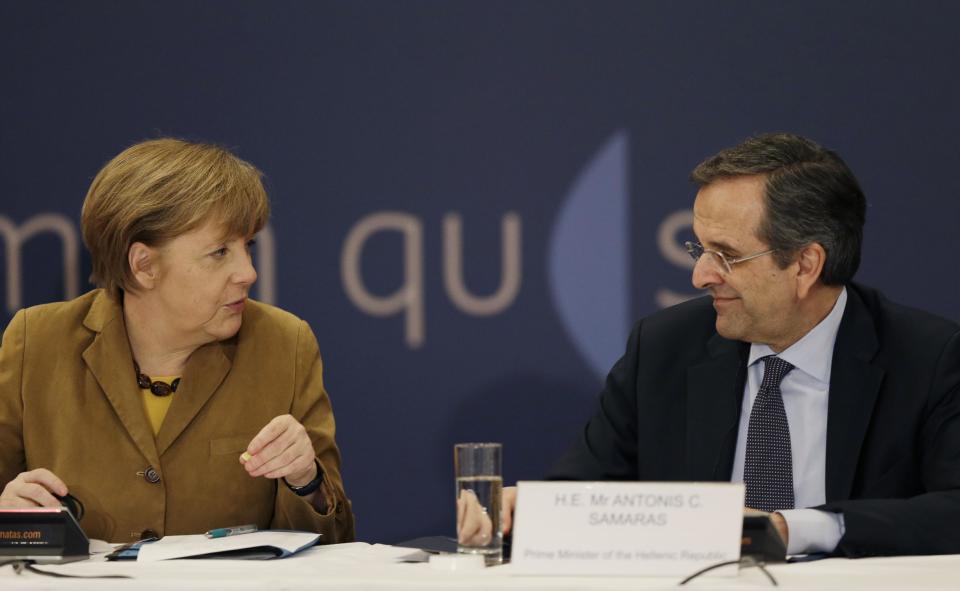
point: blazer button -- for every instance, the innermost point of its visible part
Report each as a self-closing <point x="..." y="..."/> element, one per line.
<point x="150" y="475"/>
<point x="148" y="533"/>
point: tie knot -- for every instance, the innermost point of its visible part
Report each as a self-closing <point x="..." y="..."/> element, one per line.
<point x="774" y="369"/>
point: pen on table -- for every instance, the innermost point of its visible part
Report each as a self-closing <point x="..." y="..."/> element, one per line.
<point x="222" y="532"/>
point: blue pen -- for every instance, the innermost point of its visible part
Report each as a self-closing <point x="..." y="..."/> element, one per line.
<point x="222" y="532"/>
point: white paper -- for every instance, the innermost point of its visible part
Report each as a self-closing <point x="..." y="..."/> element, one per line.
<point x="170" y="547"/>
<point x="101" y="547"/>
<point x="626" y="528"/>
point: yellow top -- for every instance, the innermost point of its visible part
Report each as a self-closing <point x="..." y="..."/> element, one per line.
<point x="157" y="406"/>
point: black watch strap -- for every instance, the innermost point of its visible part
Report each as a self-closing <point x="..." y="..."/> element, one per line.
<point x="310" y="487"/>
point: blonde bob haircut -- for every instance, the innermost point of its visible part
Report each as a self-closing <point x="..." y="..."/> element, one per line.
<point x="159" y="189"/>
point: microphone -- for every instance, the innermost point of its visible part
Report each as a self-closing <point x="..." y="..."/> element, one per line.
<point x="72" y="504"/>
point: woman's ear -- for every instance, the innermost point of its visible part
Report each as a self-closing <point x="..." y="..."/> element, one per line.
<point x="143" y="263"/>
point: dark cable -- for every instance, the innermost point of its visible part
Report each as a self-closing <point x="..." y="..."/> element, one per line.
<point x="745" y="562"/>
<point x="21" y="565"/>
<point x="707" y="569"/>
<point x="9" y="562"/>
<point x="763" y="568"/>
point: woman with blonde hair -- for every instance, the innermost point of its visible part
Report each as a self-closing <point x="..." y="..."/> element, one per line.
<point x="166" y="400"/>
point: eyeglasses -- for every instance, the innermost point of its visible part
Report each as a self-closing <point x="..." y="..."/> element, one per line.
<point x="724" y="264"/>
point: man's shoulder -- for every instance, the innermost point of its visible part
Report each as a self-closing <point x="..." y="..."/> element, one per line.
<point x="896" y="323"/>
<point x="692" y="319"/>
<point x="678" y="335"/>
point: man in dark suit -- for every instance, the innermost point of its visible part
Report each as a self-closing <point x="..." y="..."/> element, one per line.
<point x="839" y="410"/>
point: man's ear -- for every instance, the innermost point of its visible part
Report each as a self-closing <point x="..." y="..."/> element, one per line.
<point x="810" y="262"/>
<point x="143" y="263"/>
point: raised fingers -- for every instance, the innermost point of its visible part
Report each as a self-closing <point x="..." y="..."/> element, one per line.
<point x="295" y="460"/>
<point x="269" y="433"/>
<point x="281" y="448"/>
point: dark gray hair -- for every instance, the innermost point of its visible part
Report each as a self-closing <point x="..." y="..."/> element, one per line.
<point x="811" y="196"/>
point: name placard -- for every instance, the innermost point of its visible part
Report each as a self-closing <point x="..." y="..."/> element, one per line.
<point x="626" y="528"/>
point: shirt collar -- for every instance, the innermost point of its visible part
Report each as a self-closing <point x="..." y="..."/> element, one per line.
<point x="813" y="353"/>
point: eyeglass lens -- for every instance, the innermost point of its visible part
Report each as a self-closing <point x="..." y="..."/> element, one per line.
<point x="717" y="259"/>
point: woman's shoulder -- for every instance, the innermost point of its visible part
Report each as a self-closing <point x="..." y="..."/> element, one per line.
<point x="263" y="316"/>
<point x="58" y="314"/>
<point x="59" y="325"/>
<point x="269" y="329"/>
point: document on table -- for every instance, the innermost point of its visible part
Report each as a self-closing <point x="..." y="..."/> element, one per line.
<point x="100" y="547"/>
<point x="261" y="544"/>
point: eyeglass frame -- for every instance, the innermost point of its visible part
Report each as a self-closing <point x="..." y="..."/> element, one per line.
<point x="728" y="263"/>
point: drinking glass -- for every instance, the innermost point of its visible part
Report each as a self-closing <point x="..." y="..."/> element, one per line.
<point x="479" y="480"/>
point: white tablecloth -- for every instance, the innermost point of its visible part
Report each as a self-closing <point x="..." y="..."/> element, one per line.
<point x="365" y="566"/>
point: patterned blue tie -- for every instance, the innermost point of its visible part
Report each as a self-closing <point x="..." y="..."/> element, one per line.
<point x="768" y="467"/>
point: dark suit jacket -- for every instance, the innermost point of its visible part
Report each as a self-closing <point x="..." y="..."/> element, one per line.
<point x="69" y="402"/>
<point x="670" y="410"/>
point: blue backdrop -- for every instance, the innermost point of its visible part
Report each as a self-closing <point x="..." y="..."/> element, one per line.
<point x="474" y="200"/>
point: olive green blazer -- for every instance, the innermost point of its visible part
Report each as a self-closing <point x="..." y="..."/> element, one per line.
<point x="69" y="402"/>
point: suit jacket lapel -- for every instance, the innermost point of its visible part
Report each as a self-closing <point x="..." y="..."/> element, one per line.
<point x="111" y="363"/>
<point x="854" y="385"/>
<point x="205" y="371"/>
<point x="714" y="395"/>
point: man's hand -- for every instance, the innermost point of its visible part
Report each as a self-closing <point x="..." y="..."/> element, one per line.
<point x="33" y="489"/>
<point x="282" y="449"/>
<point x="474" y="525"/>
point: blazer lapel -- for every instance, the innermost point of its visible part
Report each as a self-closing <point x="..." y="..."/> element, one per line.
<point x="111" y="363"/>
<point x="714" y="395"/>
<point x="854" y="385"/>
<point x="205" y="371"/>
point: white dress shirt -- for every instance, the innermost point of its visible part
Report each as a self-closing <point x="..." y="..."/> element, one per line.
<point x="805" y="392"/>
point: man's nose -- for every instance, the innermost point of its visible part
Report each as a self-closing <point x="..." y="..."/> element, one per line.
<point x="705" y="273"/>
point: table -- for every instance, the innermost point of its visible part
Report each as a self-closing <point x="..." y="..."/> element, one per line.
<point x="375" y="567"/>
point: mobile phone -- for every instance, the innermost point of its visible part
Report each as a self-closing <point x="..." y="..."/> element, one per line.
<point x="128" y="551"/>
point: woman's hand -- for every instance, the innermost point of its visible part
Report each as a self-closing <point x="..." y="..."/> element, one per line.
<point x="282" y="449"/>
<point x="33" y="489"/>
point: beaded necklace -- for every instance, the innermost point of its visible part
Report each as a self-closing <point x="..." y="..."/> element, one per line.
<point x="156" y="388"/>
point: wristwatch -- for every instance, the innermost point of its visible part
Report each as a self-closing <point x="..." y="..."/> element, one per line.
<point x="310" y="487"/>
